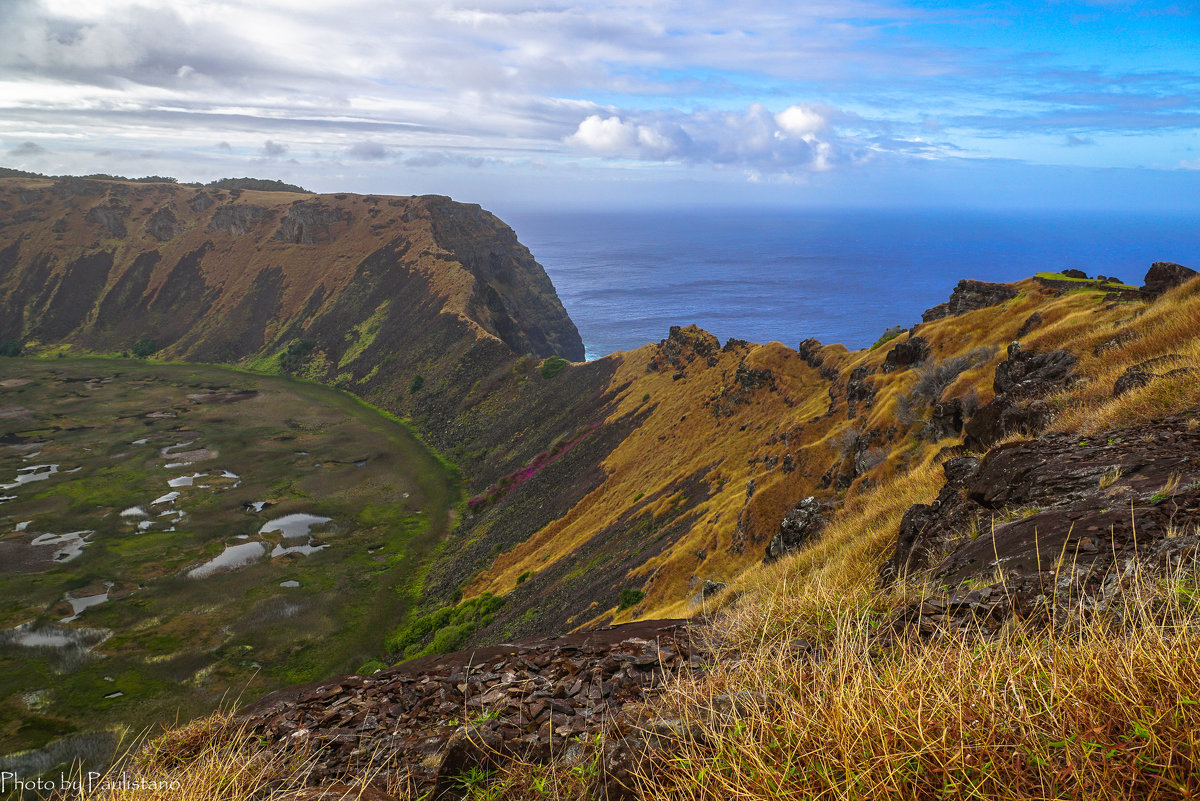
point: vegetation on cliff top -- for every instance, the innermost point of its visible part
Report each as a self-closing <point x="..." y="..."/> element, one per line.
<point x="257" y="184"/>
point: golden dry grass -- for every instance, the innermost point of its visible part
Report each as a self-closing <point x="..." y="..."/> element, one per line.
<point x="1105" y="712"/>
<point x="840" y="570"/>
<point x="211" y="759"/>
<point x="1169" y="327"/>
<point x="680" y="435"/>
<point x="1108" y="712"/>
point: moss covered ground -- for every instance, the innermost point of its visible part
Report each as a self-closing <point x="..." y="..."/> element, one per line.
<point x="174" y="645"/>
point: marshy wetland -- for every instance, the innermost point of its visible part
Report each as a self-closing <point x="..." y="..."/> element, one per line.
<point x="174" y="536"/>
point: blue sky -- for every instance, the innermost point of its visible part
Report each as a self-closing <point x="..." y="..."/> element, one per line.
<point x="620" y="102"/>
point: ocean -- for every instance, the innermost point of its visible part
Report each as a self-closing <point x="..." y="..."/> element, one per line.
<point x="840" y="276"/>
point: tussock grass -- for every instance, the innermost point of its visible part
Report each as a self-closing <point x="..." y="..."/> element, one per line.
<point x="205" y="759"/>
<point x="838" y="571"/>
<point x="1106" y="706"/>
<point x="1168" y="327"/>
<point x="1108" y="710"/>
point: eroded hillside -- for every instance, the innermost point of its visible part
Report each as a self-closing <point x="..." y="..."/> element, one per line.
<point x="626" y="487"/>
<point x="229" y="275"/>
<point x="729" y="438"/>
<point x="1028" y="634"/>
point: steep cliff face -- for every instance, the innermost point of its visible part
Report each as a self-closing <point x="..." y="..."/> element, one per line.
<point x="231" y="275"/>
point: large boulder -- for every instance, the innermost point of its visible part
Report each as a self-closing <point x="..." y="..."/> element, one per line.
<point x="1033" y="374"/>
<point x="1164" y="275"/>
<point x="1147" y="372"/>
<point x="913" y="350"/>
<point x="923" y="528"/>
<point x="1003" y="416"/>
<point x="803" y="523"/>
<point x="945" y="420"/>
<point x="1021" y="385"/>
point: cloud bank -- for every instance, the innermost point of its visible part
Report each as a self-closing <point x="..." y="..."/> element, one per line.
<point x="760" y="88"/>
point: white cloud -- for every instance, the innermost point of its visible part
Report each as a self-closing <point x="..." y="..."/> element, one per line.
<point x="802" y="120"/>
<point x="797" y="139"/>
<point x="610" y="136"/>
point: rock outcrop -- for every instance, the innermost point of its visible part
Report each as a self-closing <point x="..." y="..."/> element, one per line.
<point x="1164" y="275"/>
<point x="310" y="222"/>
<point x="163" y="224"/>
<point x="110" y="218"/>
<point x="1145" y="373"/>
<point x="1021" y="385"/>
<point x="970" y="296"/>
<point x="683" y="346"/>
<point x="803" y="523"/>
<point x="237" y="219"/>
<point x="1097" y="499"/>
<point x="911" y="351"/>
<point x="430" y="721"/>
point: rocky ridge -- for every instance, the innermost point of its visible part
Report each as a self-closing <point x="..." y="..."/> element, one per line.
<point x="429" y="721"/>
<point x="657" y="471"/>
<point x="1114" y="502"/>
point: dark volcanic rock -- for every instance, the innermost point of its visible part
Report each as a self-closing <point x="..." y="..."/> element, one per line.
<point x="946" y="420"/>
<point x="308" y="223"/>
<point x="110" y="218"/>
<point x="1131" y="379"/>
<point x="859" y="390"/>
<point x="912" y="351"/>
<point x="1033" y="374"/>
<point x="936" y="312"/>
<point x="1101" y="500"/>
<point x="636" y="737"/>
<point x="1021" y="383"/>
<point x="809" y="351"/>
<point x="1075" y="274"/>
<point x="968" y="296"/>
<point x="237" y="219"/>
<point x="427" y="722"/>
<point x="683" y="346"/>
<point x="1164" y="275"/>
<point x="922" y="528"/>
<point x="1146" y="372"/>
<point x="1031" y="322"/>
<point x="162" y="224"/>
<point x="746" y="381"/>
<point x="201" y="201"/>
<point x="751" y="378"/>
<point x="1119" y="341"/>
<point x="803" y="523"/>
<point x="1003" y="416"/>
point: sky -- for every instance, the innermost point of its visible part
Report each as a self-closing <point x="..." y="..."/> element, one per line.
<point x="1057" y="104"/>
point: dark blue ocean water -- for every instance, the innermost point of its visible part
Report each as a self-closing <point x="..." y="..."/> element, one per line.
<point x="842" y="276"/>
